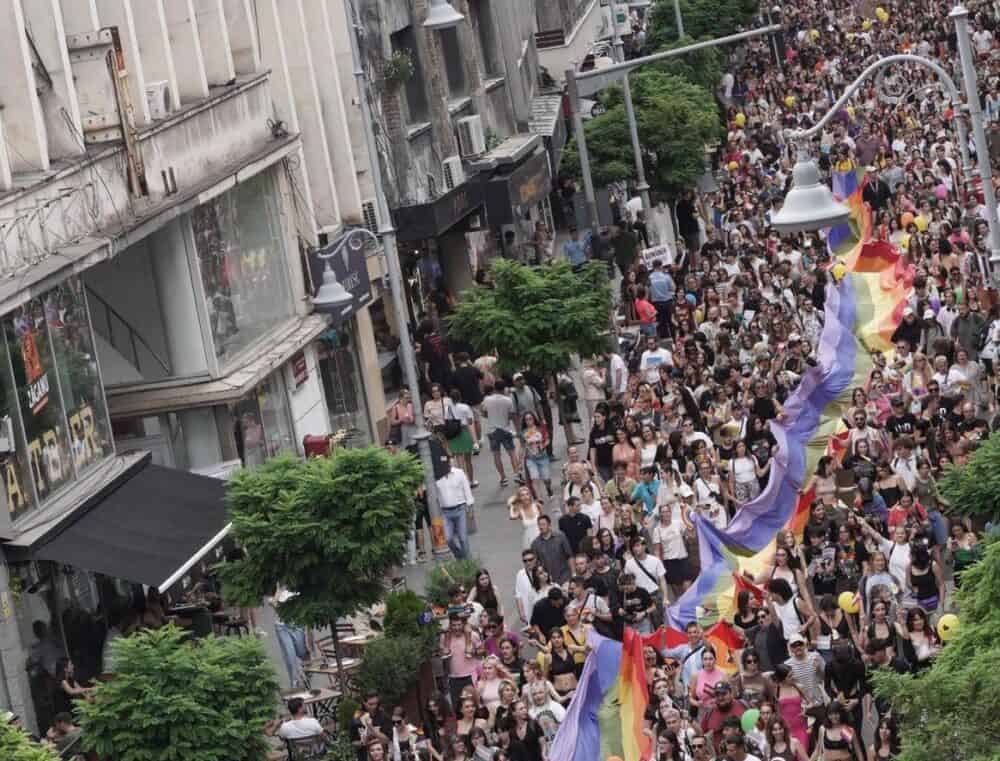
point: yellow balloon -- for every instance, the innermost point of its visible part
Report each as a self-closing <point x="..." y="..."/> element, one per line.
<point x="814" y="34"/>
<point x="740" y="119"/>
<point x="848" y="601"/>
<point x="866" y="25"/>
<point x="850" y="111"/>
<point x="921" y="223"/>
<point x="850" y="36"/>
<point x="789" y="100"/>
<point x="732" y="166"/>
<point x="881" y="14"/>
<point x="947" y="626"/>
<point x="839" y="270"/>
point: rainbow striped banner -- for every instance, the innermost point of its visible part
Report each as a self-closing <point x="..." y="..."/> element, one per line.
<point x="864" y="303"/>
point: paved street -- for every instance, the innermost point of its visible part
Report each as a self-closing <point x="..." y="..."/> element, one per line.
<point x="497" y="542"/>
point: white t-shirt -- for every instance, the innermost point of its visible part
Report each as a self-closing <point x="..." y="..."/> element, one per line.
<point x="655" y="569"/>
<point x="649" y="363"/>
<point x="618" y="367"/>
<point x="463" y="412"/>
<point x="296" y="729"/>
<point x="672" y="539"/>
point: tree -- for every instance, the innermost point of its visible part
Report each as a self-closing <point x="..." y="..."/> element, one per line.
<point x="327" y="529"/>
<point x="975" y="489"/>
<point x="702" y="18"/>
<point x="537" y="317"/>
<point x="700" y="67"/>
<point x="16" y="745"/>
<point x="949" y="711"/>
<point x="177" y="700"/>
<point x="675" y="119"/>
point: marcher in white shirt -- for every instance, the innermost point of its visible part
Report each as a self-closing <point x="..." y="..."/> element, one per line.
<point x="455" y="498"/>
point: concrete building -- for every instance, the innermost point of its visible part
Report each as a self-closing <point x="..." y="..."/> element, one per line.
<point x="567" y="30"/>
<point x="166" y="166"/>
<point x="454" y="111"/>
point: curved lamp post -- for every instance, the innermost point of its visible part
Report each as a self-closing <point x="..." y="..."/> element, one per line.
<point x="810" y="205"/>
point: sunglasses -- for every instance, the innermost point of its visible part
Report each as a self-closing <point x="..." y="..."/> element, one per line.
<point x="752" y="660"/>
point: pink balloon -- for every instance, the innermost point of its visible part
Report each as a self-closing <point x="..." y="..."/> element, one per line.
<point x="941" y="192"/>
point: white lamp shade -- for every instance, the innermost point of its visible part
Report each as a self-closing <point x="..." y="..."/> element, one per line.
<point x="810" y="204"/>
<point x="331" y="294"/>
<point x="442" y="16"/>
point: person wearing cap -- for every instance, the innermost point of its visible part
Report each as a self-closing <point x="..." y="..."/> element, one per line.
<point x="726" y="705"/>
<point x="807" y="668"/>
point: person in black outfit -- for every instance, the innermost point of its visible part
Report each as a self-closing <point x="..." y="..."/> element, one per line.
<point x="548" y="613"/>
<point x="574" y="524"/>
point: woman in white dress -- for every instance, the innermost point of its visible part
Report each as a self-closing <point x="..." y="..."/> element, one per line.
<point x="522" y="507"/>
<point x="744" y="474"/>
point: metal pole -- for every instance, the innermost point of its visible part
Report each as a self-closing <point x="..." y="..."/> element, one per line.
<point x="961" y="18"/>
<point x="771" y="14"/>
<point x="633" y="128"/>
<point x="388" y="235"/>
<point x="678" y="18"/>
<point x="581" y="147"/>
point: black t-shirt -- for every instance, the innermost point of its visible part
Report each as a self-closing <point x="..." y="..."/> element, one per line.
<point x="547" y="616"/>
<point x="633" y="603"/>
<point x="602" y="440"/>
<point x="466" y="379"/>
<point x="763" y="407"/>
<point x="901" y="425"/>
<point x="575" y="528"/>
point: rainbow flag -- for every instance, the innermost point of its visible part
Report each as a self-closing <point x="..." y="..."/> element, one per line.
<point x="870" y="284"/>
<point x="605" y="717"/>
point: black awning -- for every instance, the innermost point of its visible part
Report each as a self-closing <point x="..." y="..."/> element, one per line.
<point x="151" y="527"/>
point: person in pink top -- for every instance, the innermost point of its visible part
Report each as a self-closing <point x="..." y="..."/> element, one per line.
<point x="702" y="689"/>
<point x="464" y="650"/>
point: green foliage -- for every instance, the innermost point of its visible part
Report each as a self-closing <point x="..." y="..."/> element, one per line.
<point x="702" y="18"/>
<point x="536" y="317"/>
<point x="15" y="745"/>
<point x="176" y="700"/>
<point x="327" y="528"/>
<point x="398" y="68"/>
<point x="346" y="709"/>
<point x="391" y="666"/>
<point x="701" y="67"/>
<point x="675" y="119"/>
<point x="443" y="575"/>
<point x="949" y="711"/>
<point x="340" y="748"/>
<point x="975" y="489"/>
<point x="402" y="619"/>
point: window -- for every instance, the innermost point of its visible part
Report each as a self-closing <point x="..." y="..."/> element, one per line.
<point x="53" y="419"/>
<point x="483" y="20"/>
<point x="240" y="247"/>
<point x="413" y="90"/>
<point x="263" y="423"/>
<point x="454" y="66"/>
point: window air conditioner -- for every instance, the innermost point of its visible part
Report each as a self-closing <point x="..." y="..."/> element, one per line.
<point x="471" y="139"/>
<point x="454" y="174"/>
<point x="158" y="99"/>
<point x="369" y="215"/>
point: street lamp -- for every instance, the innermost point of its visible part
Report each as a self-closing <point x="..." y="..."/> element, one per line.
<point x="807" y="207"/>
<point x="332" y="293"/>
<point x="442" y="16"/>
<point x="809" y="204"/>
<point x="387" y="236"/>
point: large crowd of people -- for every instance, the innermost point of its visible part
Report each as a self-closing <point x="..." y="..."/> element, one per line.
<point x="678" y="426"/>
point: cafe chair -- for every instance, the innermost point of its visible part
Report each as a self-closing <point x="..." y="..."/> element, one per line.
<point x="307" y="748"/>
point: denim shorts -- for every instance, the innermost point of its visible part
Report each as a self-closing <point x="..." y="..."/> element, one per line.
<point x="539" y="467"/>
<point x="501" y="437"/>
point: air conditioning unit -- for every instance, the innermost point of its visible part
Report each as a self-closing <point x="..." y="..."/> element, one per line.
<point x="454" y="174"/>
<point x="158" y="99"/>
<point x="471" y="138"/>
<point x="369" y="214"/>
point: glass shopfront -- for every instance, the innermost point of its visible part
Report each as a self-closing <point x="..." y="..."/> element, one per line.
<point x="340" y="368"/>
<point x="53" y="417"/>
<point x="264" y="423"/>
<point x="240" y="247"/>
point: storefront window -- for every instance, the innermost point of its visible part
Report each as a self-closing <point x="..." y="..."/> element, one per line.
<point x="29" y="349"/>
<point x="76" y="359"/>
<point x="264" y="423"/>
<point x="241" y="256"/>
<point x="53" y="419"/>
<point x="345" y="397"/>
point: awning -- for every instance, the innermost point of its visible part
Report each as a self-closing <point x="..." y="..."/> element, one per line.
<point x="435" y="218"/>
<point x="527" y="183"/>
<point x="151" y="525"/>
<point x="154" y="398"/>
<point x="547" y="120"/>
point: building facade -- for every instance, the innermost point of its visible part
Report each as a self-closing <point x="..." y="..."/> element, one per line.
<point x="167" y="167"/>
